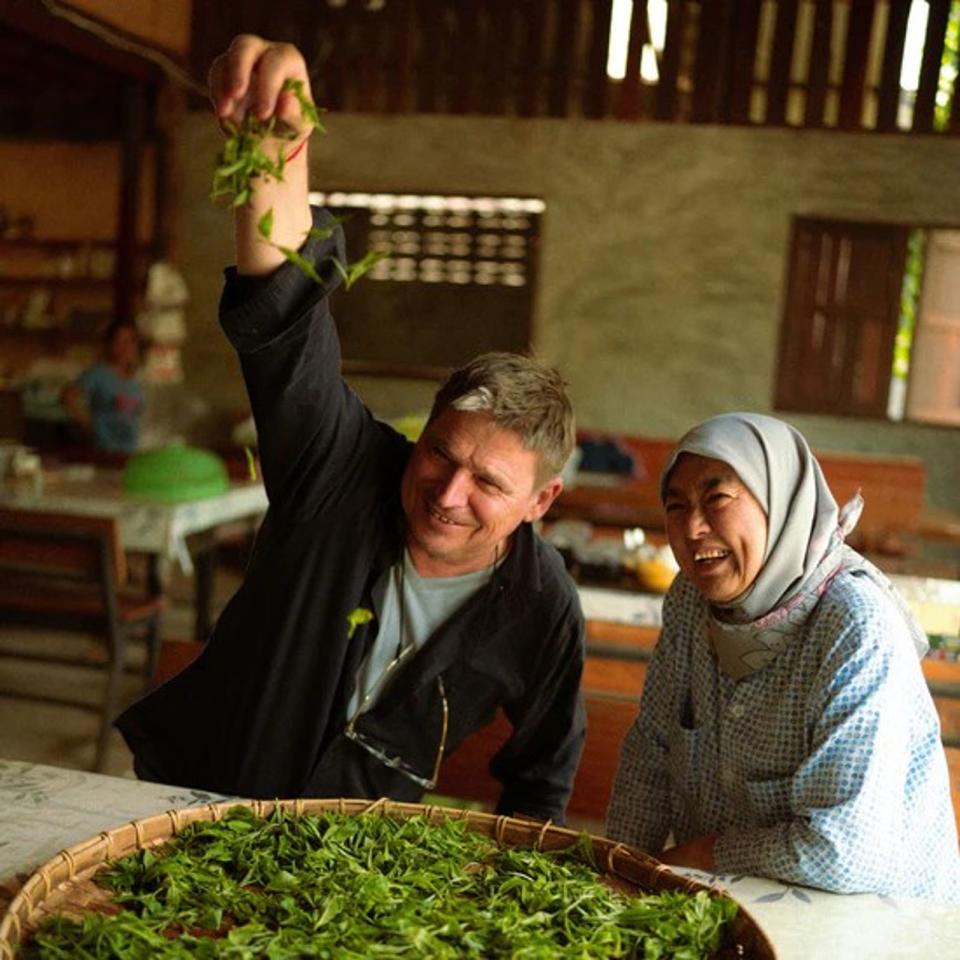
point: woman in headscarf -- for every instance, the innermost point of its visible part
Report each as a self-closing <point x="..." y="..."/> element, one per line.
<point x="785" y="728"/>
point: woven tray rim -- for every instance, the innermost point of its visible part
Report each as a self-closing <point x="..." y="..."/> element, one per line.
<point x="616" y="859"/>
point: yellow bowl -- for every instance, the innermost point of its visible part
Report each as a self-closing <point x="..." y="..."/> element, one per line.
<point x="655" y="575"/>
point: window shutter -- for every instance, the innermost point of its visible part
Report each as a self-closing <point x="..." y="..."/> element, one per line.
<point x="840" y="317"/>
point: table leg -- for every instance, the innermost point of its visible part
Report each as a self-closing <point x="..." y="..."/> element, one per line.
<point x="154" y="577"/>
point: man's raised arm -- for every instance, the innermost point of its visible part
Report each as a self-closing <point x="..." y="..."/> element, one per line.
<point x="250" y="77"/>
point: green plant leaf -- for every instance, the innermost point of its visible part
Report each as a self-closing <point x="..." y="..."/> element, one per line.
<point x="265" y="225"/>
<point x="357" y="617"/>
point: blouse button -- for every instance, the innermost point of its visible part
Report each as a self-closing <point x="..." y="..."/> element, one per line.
<point x="737" y="711"/>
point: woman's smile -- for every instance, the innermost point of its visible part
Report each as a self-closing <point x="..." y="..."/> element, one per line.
<point x="716" y="527"/>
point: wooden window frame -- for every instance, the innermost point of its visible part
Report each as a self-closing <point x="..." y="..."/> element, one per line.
<point x="835" y="352"/>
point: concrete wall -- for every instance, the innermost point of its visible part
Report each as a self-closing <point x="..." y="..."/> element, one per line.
<point x="663" y="253"/>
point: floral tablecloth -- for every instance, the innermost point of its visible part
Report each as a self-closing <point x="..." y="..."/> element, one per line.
<point x="45" y="809"/>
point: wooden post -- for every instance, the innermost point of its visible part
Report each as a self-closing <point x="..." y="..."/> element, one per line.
<point x="135" y="106"/>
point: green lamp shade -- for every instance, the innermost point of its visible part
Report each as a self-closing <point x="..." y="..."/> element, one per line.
<point x="175" y="473"/>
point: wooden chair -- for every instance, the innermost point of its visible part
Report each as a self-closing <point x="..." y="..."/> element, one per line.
<point x="611" y="698"/>
<point x="64" y="571"/>
<point x="175" y="655"/>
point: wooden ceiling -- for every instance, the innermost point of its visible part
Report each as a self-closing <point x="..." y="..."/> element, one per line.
<point x="60" y="82"/>
<point x="824" y="64"/>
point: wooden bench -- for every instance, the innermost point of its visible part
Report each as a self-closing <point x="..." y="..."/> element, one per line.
<point x="66" y="572"/>
<point x="612" y="680"/>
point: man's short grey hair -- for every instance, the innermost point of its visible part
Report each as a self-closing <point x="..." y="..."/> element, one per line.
<point x="520" y="394"/>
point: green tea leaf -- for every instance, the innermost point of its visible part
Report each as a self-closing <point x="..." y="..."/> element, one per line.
<point x="357" y="617"/>
<point x="297" y="258"/>
<point x="370" y="886"/>
<point x="265" y="225"/>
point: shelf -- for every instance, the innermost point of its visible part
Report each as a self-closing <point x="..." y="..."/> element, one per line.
<point x="47" y="333"/>
<point x="57" y="282"/>
<point x="53" y="244"/>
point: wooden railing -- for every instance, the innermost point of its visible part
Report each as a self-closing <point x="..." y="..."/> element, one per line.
<point x="800" y="63"/>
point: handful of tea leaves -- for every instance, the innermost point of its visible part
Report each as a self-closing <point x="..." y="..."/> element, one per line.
<point x="368" y="886"/>
<point x="244" y="159"/>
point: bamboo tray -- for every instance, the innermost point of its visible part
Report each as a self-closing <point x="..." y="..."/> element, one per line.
<point x="65" y="883"/>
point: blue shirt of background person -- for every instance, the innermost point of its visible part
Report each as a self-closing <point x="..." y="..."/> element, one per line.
<point x="107" y="399"/>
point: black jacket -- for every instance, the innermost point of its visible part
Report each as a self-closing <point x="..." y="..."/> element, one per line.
<point x="262" y="711"/>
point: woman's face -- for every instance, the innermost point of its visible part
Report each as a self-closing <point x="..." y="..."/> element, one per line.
<point x="716" y="527"/>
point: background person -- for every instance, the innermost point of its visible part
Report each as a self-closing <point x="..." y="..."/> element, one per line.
<point x="397" y="594"/>
<point x="785" y="728"/>
<point x="107" y="399"/>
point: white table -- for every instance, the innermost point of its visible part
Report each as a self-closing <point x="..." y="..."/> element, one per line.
<point x="146" y="526"/>
<point x="157" y="529"/>
<point x="46" y="809"/>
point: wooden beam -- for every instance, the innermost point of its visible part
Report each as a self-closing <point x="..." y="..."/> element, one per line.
<point x="933" y="44"/>
<point x="171" y="105"/>
<point x="70" y="98"/>
<point x="629" y="105"/>
<point x="364" y="40"/>
<point x="744" y="32"/>
<point x="562" y="60"/>
<point x="398" y="56"/>
<point x="136" y="106"/>
<point x="428" y="52"/>
<point x="888" y="105"/>
<point x="465" y="16"/>
<point x="595" y="87"/>
<point x="818" y="75"/>
<point x="710" y="67"/>
<point x="666" y="102"/>
<point x="33" y="19"/>
<point x="859" y="28"/>
<point x="778" y="83"/>
<point x="531" y="60"/>
<point x="334" y="67"/>
<point x="500" y="63"/>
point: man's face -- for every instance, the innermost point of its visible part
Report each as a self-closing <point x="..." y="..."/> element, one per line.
<point x="716" y="527"/>
<point x="469" y="484"/>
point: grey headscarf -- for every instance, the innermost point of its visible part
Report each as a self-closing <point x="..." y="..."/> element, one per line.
<point x="805" y="528"/>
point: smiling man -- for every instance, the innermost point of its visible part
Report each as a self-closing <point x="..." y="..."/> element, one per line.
<point x="397" y="595"/>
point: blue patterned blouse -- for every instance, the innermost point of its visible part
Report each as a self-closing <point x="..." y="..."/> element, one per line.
<point x="823" y="768"/>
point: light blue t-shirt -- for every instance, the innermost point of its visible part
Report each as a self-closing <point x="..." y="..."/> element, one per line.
<point x="427" y="603"/>
<point x="115" y="404"/>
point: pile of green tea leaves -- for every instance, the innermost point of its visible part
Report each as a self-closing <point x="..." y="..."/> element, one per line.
<point x="244" y="160"/>
<point x="372" y="886"/>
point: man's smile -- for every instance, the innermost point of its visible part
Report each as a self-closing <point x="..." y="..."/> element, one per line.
<point x="443" y="518"/>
